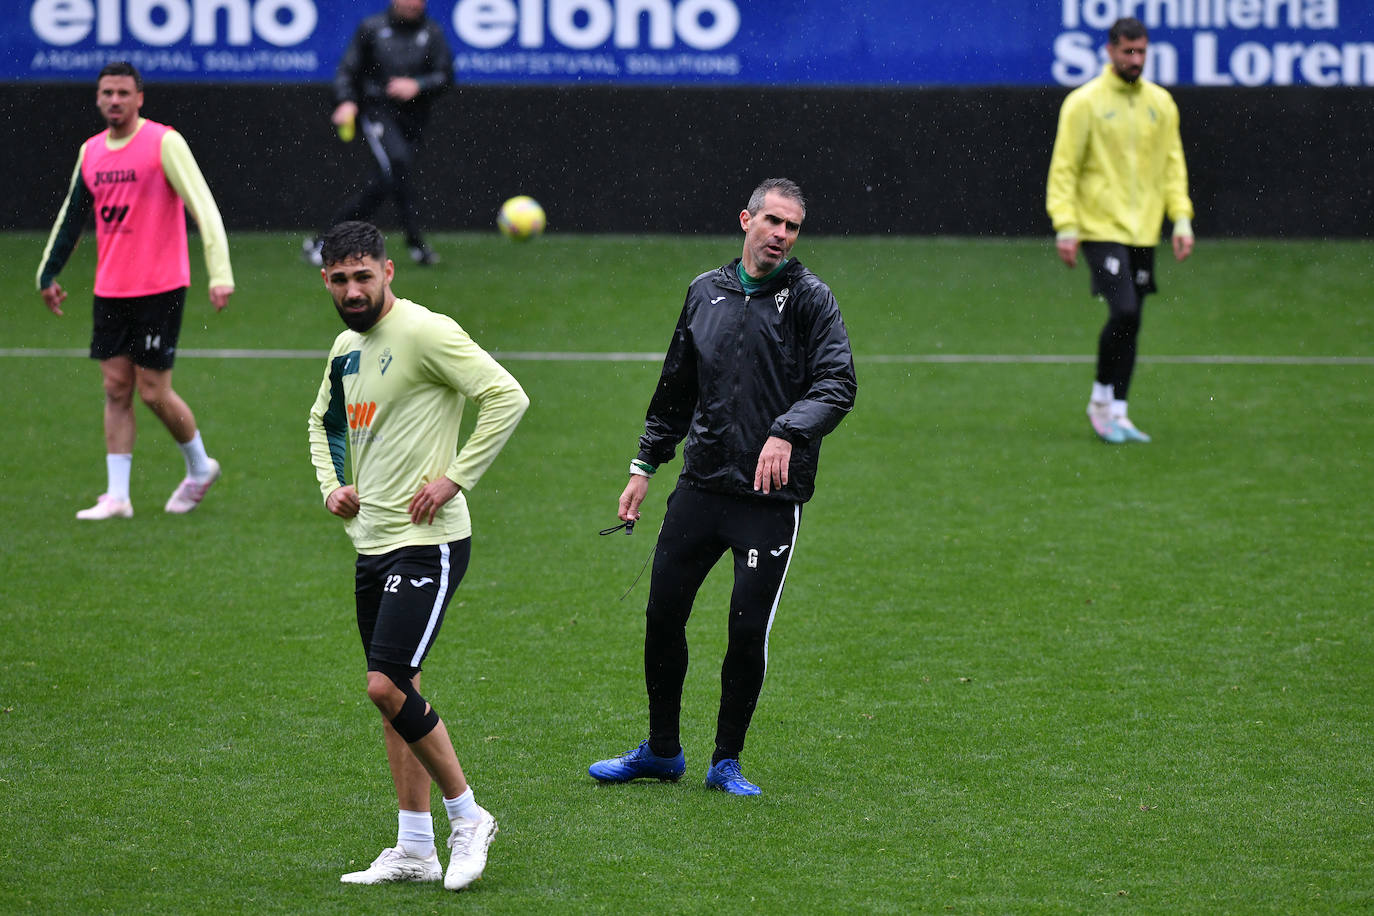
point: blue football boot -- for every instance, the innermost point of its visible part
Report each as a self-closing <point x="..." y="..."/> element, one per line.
<point x="640" y="763"/>
<point x="726" y="777"/>
<point x="1128" y="431"/>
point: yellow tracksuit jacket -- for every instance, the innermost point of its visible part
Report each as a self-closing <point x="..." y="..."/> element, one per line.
<point x="1118" y="166"/>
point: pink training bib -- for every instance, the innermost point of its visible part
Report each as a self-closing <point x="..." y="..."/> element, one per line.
<point x="140" y="220"/>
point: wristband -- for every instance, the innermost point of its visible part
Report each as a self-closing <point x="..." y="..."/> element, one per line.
<point x="642" y="468"/>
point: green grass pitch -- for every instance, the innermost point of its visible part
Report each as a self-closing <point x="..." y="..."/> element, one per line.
<point x="1015" y="670"/>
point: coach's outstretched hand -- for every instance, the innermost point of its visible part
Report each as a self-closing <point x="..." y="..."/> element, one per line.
<point x="53" y="296"/>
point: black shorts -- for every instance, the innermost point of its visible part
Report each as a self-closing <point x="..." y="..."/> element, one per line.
<point x="143" y="328"/>
<point x="401" y="598"/>
<point x="1120" y="272"/>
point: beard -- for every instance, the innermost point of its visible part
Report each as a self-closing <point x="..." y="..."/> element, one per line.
<point x="1129" y="74"/>
<point x="360" y="320"/>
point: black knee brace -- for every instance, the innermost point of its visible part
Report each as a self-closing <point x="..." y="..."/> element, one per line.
<point x="412" y="722"/>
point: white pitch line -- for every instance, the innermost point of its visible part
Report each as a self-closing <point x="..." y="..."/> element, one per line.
<point x="1216" y="359"/>
<point x="898" y="358"/>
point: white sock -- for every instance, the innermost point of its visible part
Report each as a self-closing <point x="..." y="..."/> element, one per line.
<point x="1101" y="393"/>
<point x="117" y="468"/>
<point x="464" y="806"/>
<point x="197" y="462"/>
<point x="1118" y="409"/>
<point x="415" y="831"/>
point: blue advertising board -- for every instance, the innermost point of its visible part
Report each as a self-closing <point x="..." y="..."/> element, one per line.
<point x="895" y="43"/>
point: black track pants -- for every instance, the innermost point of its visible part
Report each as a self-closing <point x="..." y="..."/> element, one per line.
<point x="394" y="146"/>
<point x="698" y="528"/>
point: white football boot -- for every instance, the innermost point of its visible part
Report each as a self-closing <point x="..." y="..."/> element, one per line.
<point x="469" y="842"/>
<point x="396" y="863"/>
<point x="105" y="507"/>
<point x="190" y="491"/>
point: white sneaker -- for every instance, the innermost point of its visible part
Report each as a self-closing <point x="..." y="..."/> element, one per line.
<point x="469" y="842"/>
<point x="310" y="251"/>
<point x="190" y="491"/>
<point x="397" y="864"/>
<point x="105" y="507"/>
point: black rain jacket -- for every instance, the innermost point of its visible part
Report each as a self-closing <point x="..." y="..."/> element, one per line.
<point x="385" y="46"/>
<point x="741" y="368"/>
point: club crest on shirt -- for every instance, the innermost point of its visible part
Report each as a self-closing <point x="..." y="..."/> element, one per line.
<point x="384" y="361"/>
<point x="781" y="297"/>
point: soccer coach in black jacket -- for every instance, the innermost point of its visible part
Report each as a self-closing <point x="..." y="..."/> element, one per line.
<point x="758" y="371"/>
<point x="396" y="65"/>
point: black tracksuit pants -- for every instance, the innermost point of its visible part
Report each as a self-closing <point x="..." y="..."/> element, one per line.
<point x="394" y="143"/>
<point x="698" y="527"/>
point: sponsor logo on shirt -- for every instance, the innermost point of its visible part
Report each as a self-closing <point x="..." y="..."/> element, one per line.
<point x="115" y="176"/>
<point x="360" y="417"/>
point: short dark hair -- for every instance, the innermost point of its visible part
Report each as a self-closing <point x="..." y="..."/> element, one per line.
<point x="1128" y="28"/>
<point x="784" y="186"/>
<point x="121" y="68"/>
<point x="352" y="240"/>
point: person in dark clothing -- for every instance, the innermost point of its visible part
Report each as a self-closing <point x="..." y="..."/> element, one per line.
<point x="396" y="64"/>
<point x="758" y="371"/>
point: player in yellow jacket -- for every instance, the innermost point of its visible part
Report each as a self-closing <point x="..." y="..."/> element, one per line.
<point x="1116" y="171"/>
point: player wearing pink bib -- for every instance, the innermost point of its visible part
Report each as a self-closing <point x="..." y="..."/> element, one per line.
<point x="140" y="227"/>
<point x="139" y="178"/>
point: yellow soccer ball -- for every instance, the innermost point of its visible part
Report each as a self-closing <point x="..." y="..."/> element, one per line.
<point x="521" y="218"/>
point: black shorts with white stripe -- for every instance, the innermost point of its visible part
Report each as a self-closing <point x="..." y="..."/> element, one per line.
<point x="401" y="599"/>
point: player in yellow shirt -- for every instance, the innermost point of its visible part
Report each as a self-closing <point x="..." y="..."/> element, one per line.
<point x="1116" y="171"/>
<point x="393" y="395"/>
